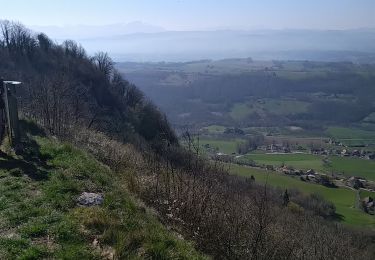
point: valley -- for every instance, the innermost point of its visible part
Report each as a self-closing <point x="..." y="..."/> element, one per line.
<point x="187" y="130"/>
<point x="277" y="120"/>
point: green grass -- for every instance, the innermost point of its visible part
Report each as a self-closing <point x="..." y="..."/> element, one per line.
<point x="352" y="136"/>
<point x="285" y="107"/>
<point x="214" y="129"/>
<point x="39" y="218"/>
<point x="224" y="146"/>
<point x="240" y="111"/>
<point x="353" y="167"/>
<point x="347" y="166"/>
<point x="343" y="199"/>
<point x="365" y="193"/>
<point x="300" y="161"/>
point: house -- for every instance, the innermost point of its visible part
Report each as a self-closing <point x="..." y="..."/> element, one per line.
<point x="356" y="153"/>
<point x="345" y="152"/>
<point x="310" y="177"/>
<point x="354" y="182"/>
<point x="287" y="170"/>
<point x="223" y="157"/>
<point x="368" y="205"/>
<point x="310" y="172"/>
<point x="371" y="156"/>
<point x="368" y="200"/>
<point x="235" y="130"/>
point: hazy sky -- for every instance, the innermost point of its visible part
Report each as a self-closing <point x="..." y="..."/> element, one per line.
<point x="196" y="14"/>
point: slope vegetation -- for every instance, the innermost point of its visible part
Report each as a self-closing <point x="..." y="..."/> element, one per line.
<point x="40" y="217"/>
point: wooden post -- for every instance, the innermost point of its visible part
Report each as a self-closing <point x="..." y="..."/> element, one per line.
<point x="2" y="110"/>
<point x="11" y="111"/>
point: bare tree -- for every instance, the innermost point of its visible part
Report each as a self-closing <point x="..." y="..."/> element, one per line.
<point x="104" y="63"/>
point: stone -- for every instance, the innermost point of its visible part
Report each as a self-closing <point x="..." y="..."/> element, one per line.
<point x="89" y="199"/>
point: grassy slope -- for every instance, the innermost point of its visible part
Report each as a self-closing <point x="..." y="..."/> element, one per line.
<point x="344" y="199"/>
<point x="39" y="217"/>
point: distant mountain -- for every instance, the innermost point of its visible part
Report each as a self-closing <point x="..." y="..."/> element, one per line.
<point x="78" y="32"/>
<point x="330" y="45"/>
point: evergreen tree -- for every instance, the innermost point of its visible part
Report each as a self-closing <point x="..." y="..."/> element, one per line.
<point x="286" y="198"/>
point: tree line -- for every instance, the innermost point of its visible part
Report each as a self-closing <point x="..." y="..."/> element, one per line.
<point x="63" y="87"/>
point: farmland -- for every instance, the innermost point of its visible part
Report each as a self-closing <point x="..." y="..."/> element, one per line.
<point x="251" y="93"/>
<point x="281" y="107"/>
<point x="227" y="146"/>
<point x="352" y="136"/>
<point x="347" y="166"/>
<point x="350" y="133"/>
<point x="343" y="198"/>
<point x="316" y="113"/>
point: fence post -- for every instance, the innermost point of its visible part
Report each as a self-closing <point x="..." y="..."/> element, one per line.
<point x="10" y="104"/>
<point x="2" y="109"/>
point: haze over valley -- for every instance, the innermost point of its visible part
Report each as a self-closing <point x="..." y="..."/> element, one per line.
<point x="140" y="42"/>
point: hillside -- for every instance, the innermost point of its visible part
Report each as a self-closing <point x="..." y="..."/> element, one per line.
<point x="95" y="136"/>
<point x="247" y="92"/>
<point x="41" y="218"/>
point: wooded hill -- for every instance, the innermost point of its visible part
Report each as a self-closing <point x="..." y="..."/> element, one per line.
<point x="63" y="87"/>
<point x="246" y="92"/>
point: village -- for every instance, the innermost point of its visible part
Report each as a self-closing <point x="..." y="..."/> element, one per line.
<point x="327" y="179"/>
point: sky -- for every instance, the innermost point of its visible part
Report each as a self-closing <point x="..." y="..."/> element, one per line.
<point x="196" y="14"/>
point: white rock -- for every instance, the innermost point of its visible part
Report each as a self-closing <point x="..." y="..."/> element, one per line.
<point x="90" y="199"/>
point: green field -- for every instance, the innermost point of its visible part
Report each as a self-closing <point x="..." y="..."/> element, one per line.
<point x="353" y="167"/>
<point x="214" y="129"/>
<point x="350" y="133"/>
<point x="299" y="75"/>
<point x="352" y="136"/>
<point x="285" y="107"/>
<point x="365" y="193"/>
<point x="300" y="161"/>
<point x="344" y="199"/>
<point x="240" y="111"/>
<point x="348" y="166"/>
<point x="226" y="146"/>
